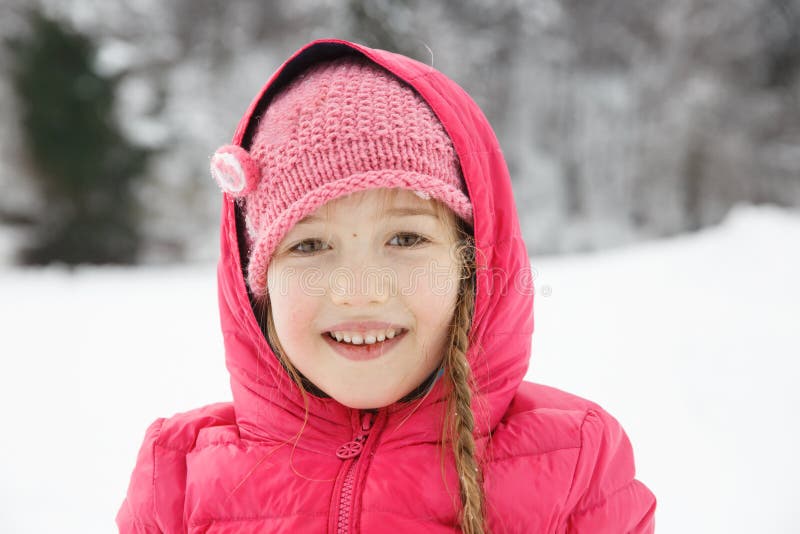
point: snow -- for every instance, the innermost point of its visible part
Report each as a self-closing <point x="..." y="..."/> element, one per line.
<point x="690" y="342"/>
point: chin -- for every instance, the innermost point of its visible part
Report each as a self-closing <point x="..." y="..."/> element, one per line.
<point x="365" y="402"/>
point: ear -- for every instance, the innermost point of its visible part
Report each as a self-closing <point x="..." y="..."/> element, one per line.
<point x="234" y="170"/>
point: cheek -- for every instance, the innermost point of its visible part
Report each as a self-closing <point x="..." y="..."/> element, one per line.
<point x="436" y="279"/>
<point x="432" y="295"/>
<point x="293" y="307"/>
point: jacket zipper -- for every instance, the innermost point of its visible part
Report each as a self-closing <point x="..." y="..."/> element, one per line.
<point x="351" y="451"/>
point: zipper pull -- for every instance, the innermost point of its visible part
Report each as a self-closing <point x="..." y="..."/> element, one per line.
<point x="367" y="418"/>
<point x="352" y="449"/>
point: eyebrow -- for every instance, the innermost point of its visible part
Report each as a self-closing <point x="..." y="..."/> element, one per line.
<point x="396" y="212"/>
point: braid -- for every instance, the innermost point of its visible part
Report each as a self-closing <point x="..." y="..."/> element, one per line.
<point x="461" y="421"/>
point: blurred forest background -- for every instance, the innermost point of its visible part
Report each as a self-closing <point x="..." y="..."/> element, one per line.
<point x="621" y="120"/>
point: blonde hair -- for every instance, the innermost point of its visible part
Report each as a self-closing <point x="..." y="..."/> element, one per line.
<point x="459" y="420"/>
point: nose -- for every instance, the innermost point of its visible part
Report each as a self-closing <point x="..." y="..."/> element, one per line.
<point x="352" y="285"/>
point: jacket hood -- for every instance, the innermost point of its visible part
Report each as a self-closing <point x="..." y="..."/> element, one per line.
<point x="267" y="404"/>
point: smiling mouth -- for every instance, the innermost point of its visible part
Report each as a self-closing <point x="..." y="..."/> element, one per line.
<point x="365" y="339"/>
<point x="364" y="351"/>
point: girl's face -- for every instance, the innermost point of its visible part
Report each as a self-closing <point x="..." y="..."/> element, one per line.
<point x="361" y="267"/>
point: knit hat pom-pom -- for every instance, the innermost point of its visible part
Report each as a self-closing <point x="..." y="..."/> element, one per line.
<point x="234" y="170"/>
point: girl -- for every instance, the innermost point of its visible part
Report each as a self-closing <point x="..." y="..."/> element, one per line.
<point x="377" y="311"/>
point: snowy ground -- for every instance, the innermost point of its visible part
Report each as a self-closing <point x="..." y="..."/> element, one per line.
<point x="692" y="343"/>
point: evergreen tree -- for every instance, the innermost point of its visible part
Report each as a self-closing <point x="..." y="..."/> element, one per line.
<point x="83" y="166"/>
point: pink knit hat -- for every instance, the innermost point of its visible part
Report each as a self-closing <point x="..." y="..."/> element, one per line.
<point x="342" y="126"/>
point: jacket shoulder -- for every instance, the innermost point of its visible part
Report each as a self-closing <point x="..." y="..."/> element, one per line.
<point x="531" y="396"/>
<point x="601" y="493"/>
<point x="153" y="503"/>
<point x="541" y="419"/>
<point x="180" y="432"/>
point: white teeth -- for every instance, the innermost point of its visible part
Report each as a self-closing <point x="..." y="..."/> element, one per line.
<point x="365" y="338"/>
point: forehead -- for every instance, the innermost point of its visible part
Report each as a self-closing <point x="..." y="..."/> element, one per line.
<point x="374" y="203"/>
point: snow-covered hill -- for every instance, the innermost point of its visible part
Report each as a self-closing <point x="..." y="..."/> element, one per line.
<point x="692" y="343"/>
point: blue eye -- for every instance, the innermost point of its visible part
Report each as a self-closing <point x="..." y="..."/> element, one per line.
<point x="407" y="240"/>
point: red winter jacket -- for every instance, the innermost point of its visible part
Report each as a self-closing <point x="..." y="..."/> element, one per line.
<point x="555" y="463"/>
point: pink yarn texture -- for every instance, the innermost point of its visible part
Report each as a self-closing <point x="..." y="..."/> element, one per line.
<point x="342" y="126"/>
